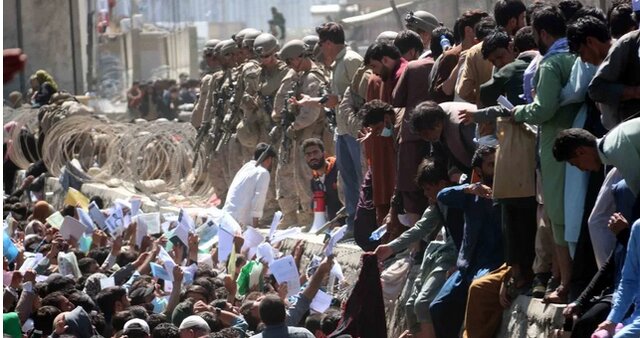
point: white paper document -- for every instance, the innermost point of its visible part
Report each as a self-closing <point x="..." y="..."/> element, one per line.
<point x="321" y="302"/>
<point x="71" y="227"/>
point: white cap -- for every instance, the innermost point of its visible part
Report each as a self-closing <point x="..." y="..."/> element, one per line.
<point x="194" y="322"/>
<point x="136" y="324"/>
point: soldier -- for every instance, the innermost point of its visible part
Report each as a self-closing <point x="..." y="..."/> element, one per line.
<point x="242" y="119"/>
<point x="423" y="23"/>
<point x="217" y="105"/>
<point x="212" y="66"/>
<point x="307" y="122"/>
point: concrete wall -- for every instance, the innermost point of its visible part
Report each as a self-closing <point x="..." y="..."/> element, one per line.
<point x="53" y="35"/>
<point x="183" y="52"/>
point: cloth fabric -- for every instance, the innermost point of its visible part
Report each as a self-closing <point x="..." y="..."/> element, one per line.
<point x="11" y="325"/>
<point x="457" y="138"/>
<point x="620" y="68"/>
<point x="441" y="71"/>
<point x="408" y="93"/>
<point x="343" y="69"/>
<point x="519" y="230"/>
<point x="475" y="71"/>
<point x="365" y="221"/>
<point x="247" y="193"/>
<point x="284" y="331"/>
<point x="328" y="184"/>
<point x="543" y="243"/>
<point x="348" y="161"/>
<point x="627" y="292"/>
<point x="380" y="153"/>
<point x="386" y="91"/>
<point x="621" y="149"/>
<point x="363" y="314"/>
<point x="506" y="81"/>
<point x="438" y="258"/>
<point x="374" y="88"/>
<point x="484" y="311"/>
<point x="527" y="78"/>
<point x="602" y="239"/>
<point x="586" y="324"/>
<point x="197" y="116"/>
<point x="545" y="111"/>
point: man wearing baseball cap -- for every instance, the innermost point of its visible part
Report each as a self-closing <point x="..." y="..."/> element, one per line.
<point x="194" y="327"/>
<point x="136" y="328"/>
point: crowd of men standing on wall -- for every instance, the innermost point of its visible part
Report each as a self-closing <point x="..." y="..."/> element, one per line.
<point x="505" y="153"/>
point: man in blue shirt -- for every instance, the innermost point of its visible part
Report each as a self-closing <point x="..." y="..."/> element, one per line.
<point x="481" y="250"/>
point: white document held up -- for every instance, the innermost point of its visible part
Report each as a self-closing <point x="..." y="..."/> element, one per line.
<point x="71" y="227"/>
<point x="336" y="236"/>
<point x="503" y="101"/>
<point x="321" y="302"/>
<point x="277" y="216"/>
<point x="284" y="270"/>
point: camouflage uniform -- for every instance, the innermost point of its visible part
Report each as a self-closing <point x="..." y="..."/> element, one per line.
<point x="295" y="195"/>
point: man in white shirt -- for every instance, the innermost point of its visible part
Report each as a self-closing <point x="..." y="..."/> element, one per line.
<point x="248" y="190"/>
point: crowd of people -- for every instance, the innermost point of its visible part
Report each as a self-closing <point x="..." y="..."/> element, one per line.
<point x="503" y="155"/>
<point x="160" y="98"/>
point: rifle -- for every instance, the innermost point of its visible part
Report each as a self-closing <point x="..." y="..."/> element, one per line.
<point x="330" y="114"/>
<point x="286" y="120"/>
<point x="202" y="133"/>
<point x="229" y="125"/>
<point x="218" y="132"/>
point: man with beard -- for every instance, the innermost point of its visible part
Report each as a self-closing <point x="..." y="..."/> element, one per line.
<point x="325" y="175"/>
<point x="546" y="111"/>
<point x="248" y="190"/>
<point x="481" y="249"/>
<point x="385" y="61"/>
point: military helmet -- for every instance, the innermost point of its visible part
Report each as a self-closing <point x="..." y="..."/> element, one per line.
<point x="422" y="20"/>
<point x="265" y="44"/>
<point x="311" y="41"/>
<point x="387" y="37"/>
<point x="250" y="37"/>
<point x="293" y="48"/>
<point x="209" y="46"/>
<point x="227" y="47"/>
<point x="238" y="37"/>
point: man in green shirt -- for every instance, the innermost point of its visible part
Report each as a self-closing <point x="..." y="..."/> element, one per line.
<point x="546" y="112"/>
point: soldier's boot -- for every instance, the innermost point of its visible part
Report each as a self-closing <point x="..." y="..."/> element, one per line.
<point x="305" y="219"/>
<point x="288" y="220"/>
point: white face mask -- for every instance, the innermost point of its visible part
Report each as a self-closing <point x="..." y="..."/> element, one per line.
<point x="386" y="132"/>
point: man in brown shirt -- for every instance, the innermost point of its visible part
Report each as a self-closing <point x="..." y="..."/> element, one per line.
<point x="475" y="69"/>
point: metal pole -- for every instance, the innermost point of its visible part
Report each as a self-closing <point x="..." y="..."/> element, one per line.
<point x="23" y="86"/>
<point x="73" y="48"/>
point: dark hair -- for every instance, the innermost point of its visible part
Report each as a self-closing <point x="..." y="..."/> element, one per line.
<point x="139" y="311"/>
<point x="485" y="27"/>
<point x="524" y="40"/>
<point x="107" y="298"/>
<point x="98" y="200"/>
<point x="98" y="321"/>
<point x="505" y="10"/>
<point x="99" y="254"/>
<point x="436" y="36"/>
<point x="569" y="8"/>
<point x="126" y="257"/>
<point x="83" y="300"/>
<point x="408" y="40"/>
<point x="261" y="148"/>
<point x="59" y="283"/>
<point x="468" y="19"/>
<point x="590" y="11"/>
<point x="207" y="285"/>
<point x="550" y="20"/>
<point x="480" y="154"/>
<point x="621" y="20"/>
<point x="212" y="320"/>
<point x="245" y="311"/>
<point x="226" y="333"/>
<point x="431" y="171"/>
<point x="587" y="26"/>
<point x="534" y="7"/>
<point x="119" y="319"/>
<point x="331" y="31"/>
<point x="378" y="50"/>
<point x="312" y="142"/>
<point x="165" y="330"/>
<point x="495" y="40"/>
<point x="43" y="319"/>
<point x="156" y="319"/>
<point x="568" y="140"/>
<point x="312" y="323"/>
<point x="330" y="321"/>
<point x="85" y="264"/>
<point x="425" y="115"/>
<point x="272" y="310"/>
<point x="54" y="299"/>
<point x="373" y="112"/>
